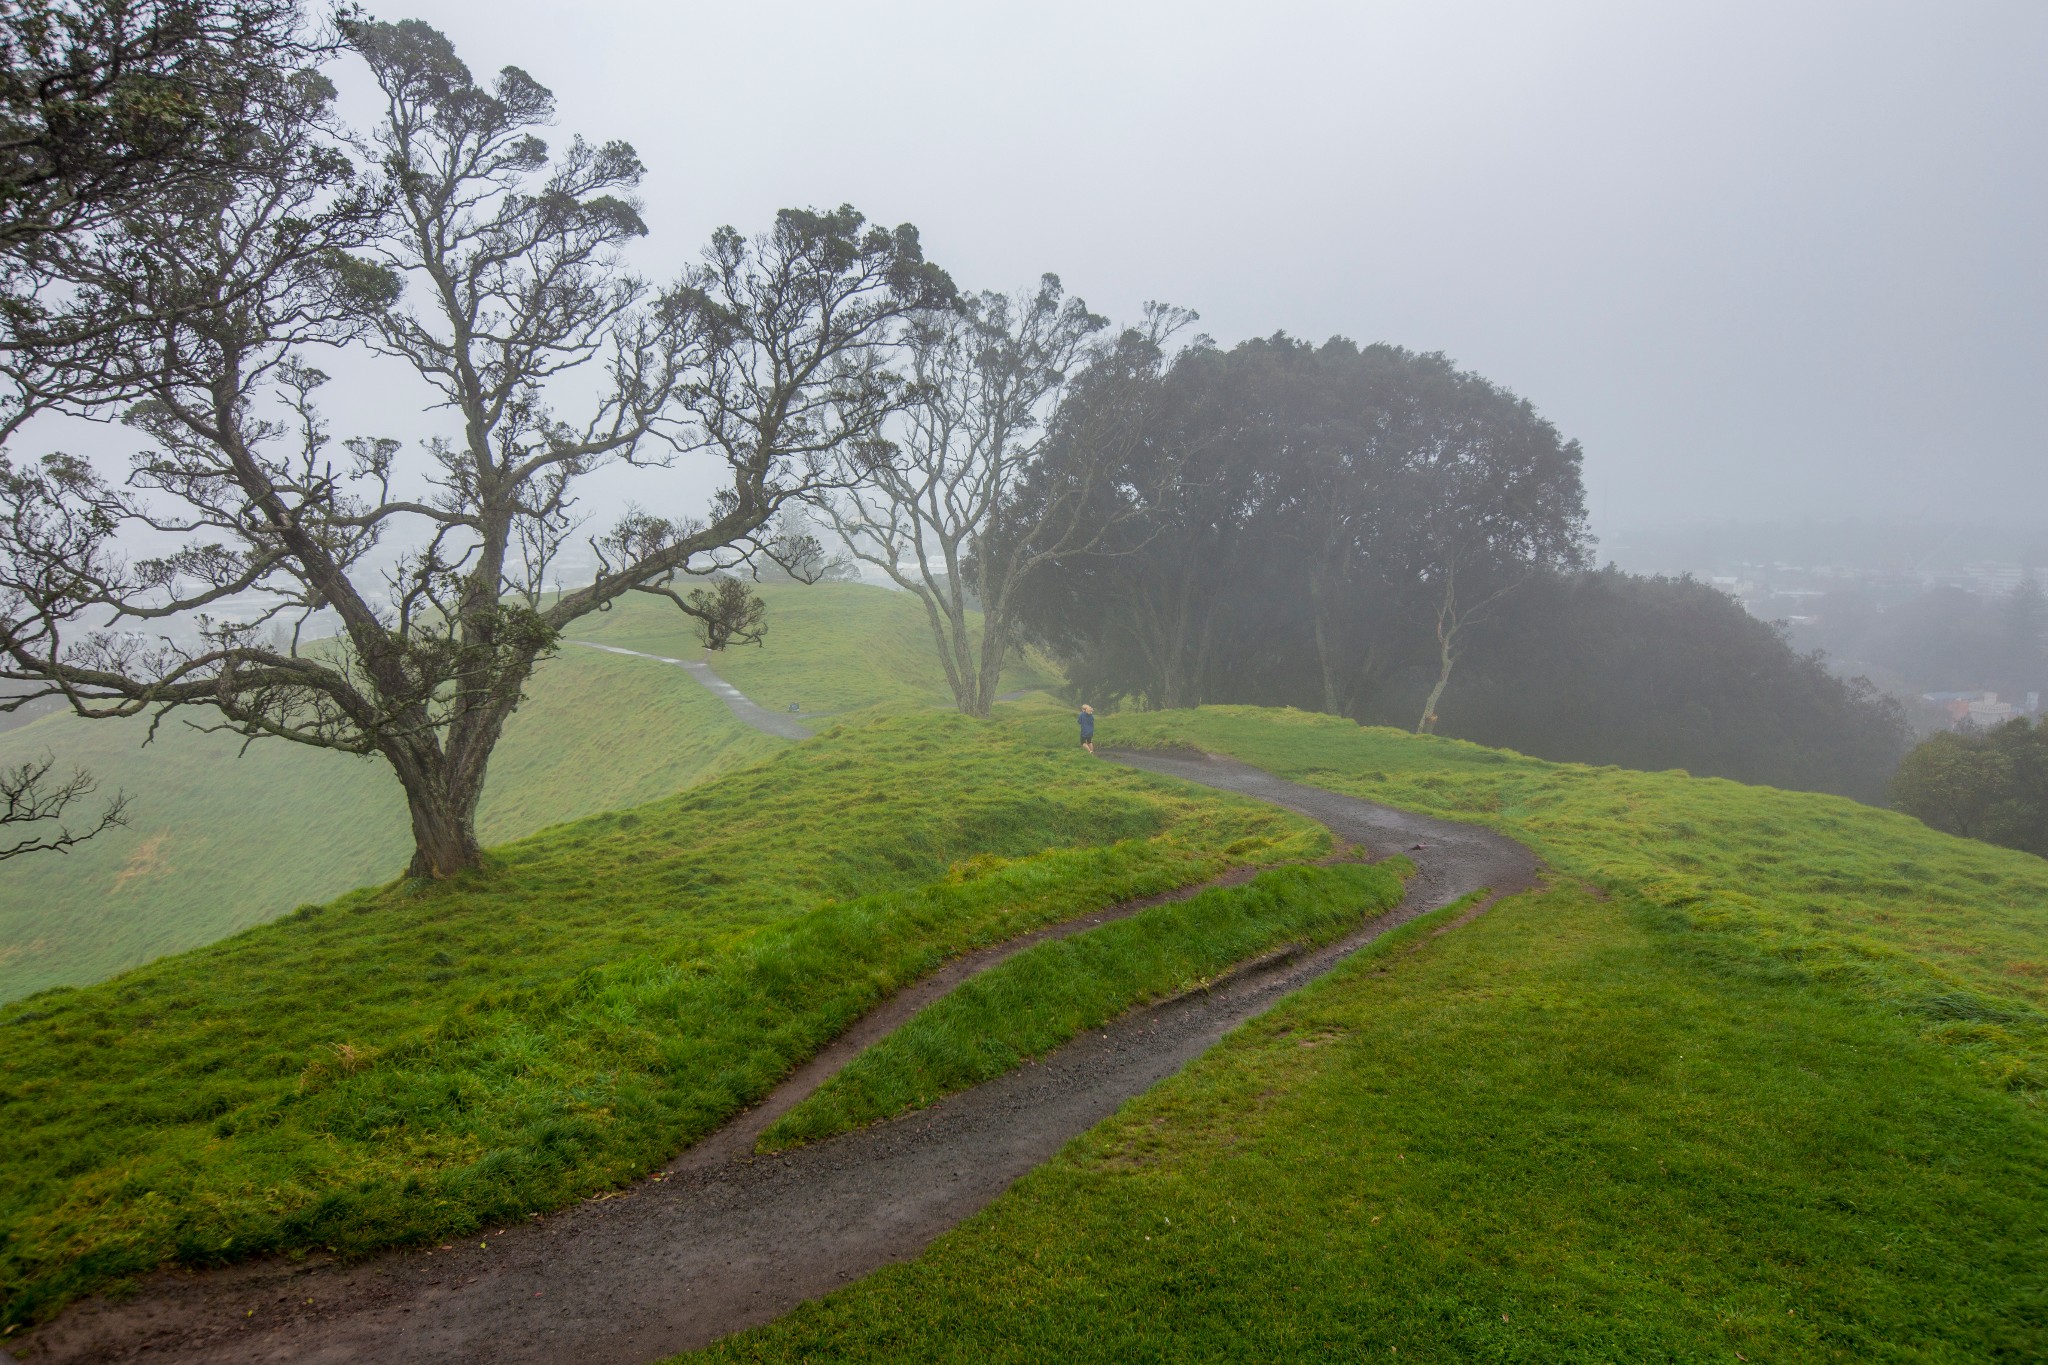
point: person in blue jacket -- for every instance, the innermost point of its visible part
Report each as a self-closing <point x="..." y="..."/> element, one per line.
<point x="1088" y="728"/>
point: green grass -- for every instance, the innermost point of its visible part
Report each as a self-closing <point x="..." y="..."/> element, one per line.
<point x="830" y="647"/>
<point x="1028" y="1006"/>
<point x="1572" y="1130"/>
<point x="399" y="1065"/>
<point x="1949" y="934"/>
<point x="1776" y="1090"/>
<point x="221" y="840"/>
<point x="1773" y="1090"/>
<point x="202" y="857"/>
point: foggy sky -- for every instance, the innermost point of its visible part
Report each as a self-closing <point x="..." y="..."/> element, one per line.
<point x="1777" y="260"/>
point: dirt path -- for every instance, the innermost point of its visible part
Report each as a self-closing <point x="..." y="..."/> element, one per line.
<point x="722" y="1240"/>
<point x="781" y="724"/>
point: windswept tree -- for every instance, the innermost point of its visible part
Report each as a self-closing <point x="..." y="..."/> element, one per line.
<point x="490" y="265"/>
<point x="106" y="106"/>
<point x="105" y="103"/>
<point x="946" y="519"/>
<point x="1092" y="511"/>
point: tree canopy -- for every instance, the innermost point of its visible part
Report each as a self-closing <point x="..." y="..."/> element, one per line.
<point x="1303" y="520"/>
<point x="1375" y="533"/>
<point x="1990" y="785"/>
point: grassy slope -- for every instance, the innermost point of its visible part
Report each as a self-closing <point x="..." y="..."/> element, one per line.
<point x="220" y="841"/>
<point x="829" y="647"/>
<point x="1949" y="934"/>
<point x="598" y="732"/>
<point x="1557" y="1134"/>
<point x="399" y="1066"/>
<point x="1045" y="995"/>
<point x="1779" y="1096"/>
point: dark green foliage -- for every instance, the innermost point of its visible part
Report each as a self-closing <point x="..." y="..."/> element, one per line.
<point x="1991" y="786"/>
<point x="104" y="108"/>
<point x="1348" y="530"/>
<point x="1303" y="510"/>
<point x="1658" y="673"/>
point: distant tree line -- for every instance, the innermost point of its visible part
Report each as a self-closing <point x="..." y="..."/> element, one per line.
<point x="1990" y="785"/>
<point x="1374" y="533"/>
<point x="1609" y="667"/>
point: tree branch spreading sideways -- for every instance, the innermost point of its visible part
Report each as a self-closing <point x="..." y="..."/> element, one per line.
<point x="489" y="265"/>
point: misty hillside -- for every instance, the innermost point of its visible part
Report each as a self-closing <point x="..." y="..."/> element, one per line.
<point x="220" y="838"/>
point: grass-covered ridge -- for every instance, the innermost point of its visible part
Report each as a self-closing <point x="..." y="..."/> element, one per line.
<point x="1047" y="994"/>
<point x="1949" y="934"/>
<point x="1765" y="1082"/>
<point x="398" y="1066"/>
<point x="1567" y="1131"/>
<point x="221" y="839"/>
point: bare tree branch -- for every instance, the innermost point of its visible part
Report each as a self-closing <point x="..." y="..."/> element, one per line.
<point x="32" y="807"/>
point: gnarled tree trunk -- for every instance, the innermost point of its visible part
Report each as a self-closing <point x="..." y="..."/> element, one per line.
<point x="443" y="834"/>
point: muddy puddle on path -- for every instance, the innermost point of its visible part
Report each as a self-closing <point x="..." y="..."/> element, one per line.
<point x="721" y="1239"/>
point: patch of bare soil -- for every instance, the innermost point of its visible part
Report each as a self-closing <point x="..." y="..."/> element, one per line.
<point x="722" y="1239"/>
<point x="148" y="860"/>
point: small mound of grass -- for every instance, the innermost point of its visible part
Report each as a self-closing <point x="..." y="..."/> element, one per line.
<point x="1047" y="994"/>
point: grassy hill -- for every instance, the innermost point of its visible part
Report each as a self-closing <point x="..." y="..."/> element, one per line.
<point x="400" y="1065"/>
<point x="221" y="838"/>
<point x="1758" y="1079"/>
<point x="1759" y="1075"/>
<point x="831" y="647"/>
<point x="1947" y="936"/>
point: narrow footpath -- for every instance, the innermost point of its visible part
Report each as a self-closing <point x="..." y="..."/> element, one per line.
<point x="777" y="723"/>
<point x="722" y="1239"/>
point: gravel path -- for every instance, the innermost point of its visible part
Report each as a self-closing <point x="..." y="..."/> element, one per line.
<point x="778" y="723"/>
<point x="721" y="1239"/>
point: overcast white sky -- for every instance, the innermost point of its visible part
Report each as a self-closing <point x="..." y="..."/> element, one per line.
<point x="1765" y="260"/>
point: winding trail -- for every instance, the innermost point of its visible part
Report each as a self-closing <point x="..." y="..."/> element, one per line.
<point x="745" y="709"/>
<point x="722" y="1239"/>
